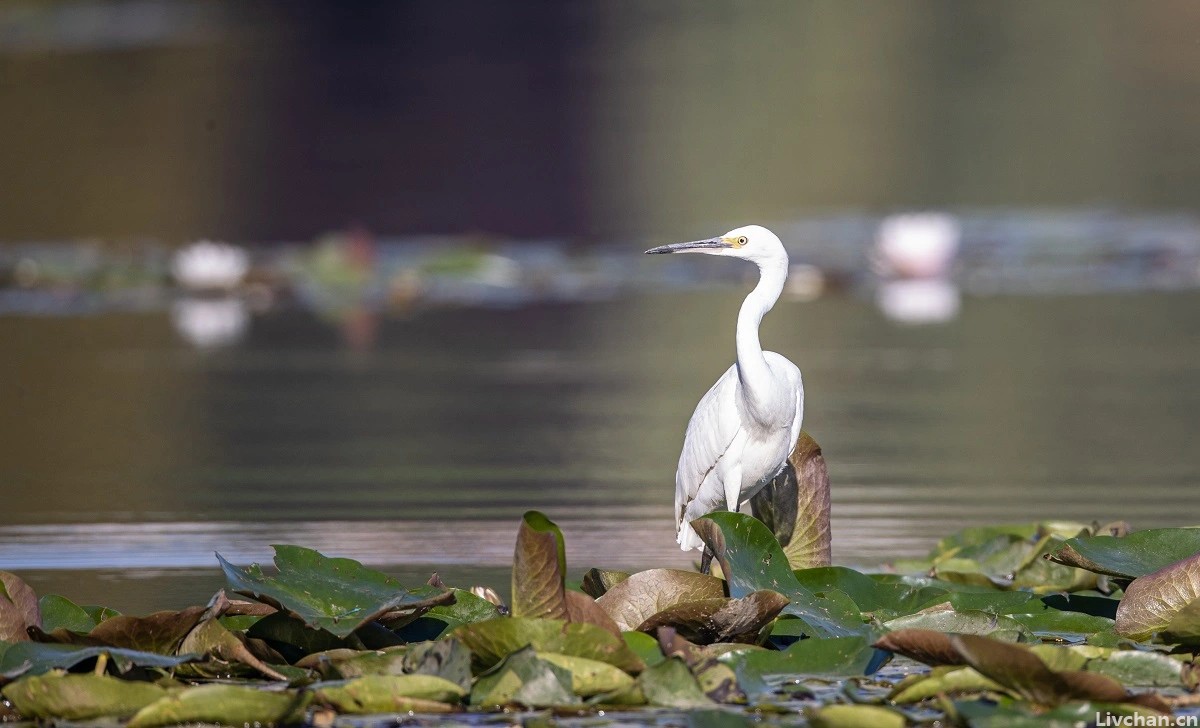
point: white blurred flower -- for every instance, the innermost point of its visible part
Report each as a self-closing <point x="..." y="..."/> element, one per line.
<point x="208" y="323"/>
<point x="917" y="245"/>
<point x="207" y="265"/>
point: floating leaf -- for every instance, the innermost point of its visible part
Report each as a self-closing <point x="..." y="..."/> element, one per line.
<point x="671" y="684"/>
<point x="338" y="595"/>
<point x="980" y="623"/>
<point x="493" y="640"/>
<point x="35" y="658"/>
<point x="1129" y="557"/>
<point x="855" y="716"/>
<point x="751" y="559"/>
<point x="373" y="694"/>
<point x="18" y="608"/>
<point x="644" y="646"/>
<point x="582" y="608"/>
<point x="224" y="704"/>
<point x="445" y="658"/>
<point x="467" y="608"/>
<point x="1151" y="602"/>
<point x="589" y="677"/>
<point x="885" y="599"/>
<point x="80" y="697"/>
<point x="923" y="645"/>
<point x="1140" y="669"/>
<point x="945" y="680"/>
<point x="61" y="613"/>
<point x="161" y="632"/>
<point x="721" y="619"/>
<point x="524" y="679"/>
<point x="211" y="638"/>
<point x="795" y="506"/>
<point x="291" y="636"/>
<point x="539" y="567"/>
<point x="597" y="582"/>
<point x="635" y="599"/>
<point x="1052" y="622"/>
<point x="1022" y="672"/>
<point x="762" y="672"/>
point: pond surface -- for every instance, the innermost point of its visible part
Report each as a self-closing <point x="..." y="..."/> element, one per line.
<point x="127" y="457"/>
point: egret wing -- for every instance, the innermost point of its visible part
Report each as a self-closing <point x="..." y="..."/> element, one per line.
<point x="699" y="488"/>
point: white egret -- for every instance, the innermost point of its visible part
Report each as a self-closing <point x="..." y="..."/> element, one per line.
<point x="743" y="429"/>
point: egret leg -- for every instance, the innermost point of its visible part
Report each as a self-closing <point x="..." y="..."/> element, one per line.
<point x="706" y="557"/>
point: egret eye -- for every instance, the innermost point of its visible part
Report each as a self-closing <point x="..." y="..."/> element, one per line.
<point x="742" y="240"/>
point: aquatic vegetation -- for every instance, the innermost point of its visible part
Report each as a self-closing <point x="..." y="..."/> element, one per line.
<point x="1038" y="624"/>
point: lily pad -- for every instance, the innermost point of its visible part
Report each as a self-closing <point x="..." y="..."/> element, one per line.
<point x="979" y="623"/>
<point x="752" y="560"/>
<point x="1022" y="672"/>
<point x="445" y="658"/>
<point x="524" y="679"/>
<point x="1152" y="602"/>
<point x="18" y="608"/>
<point x="1140" y="669"/>
<point x="373" y="694"/>
<point x="80" y="697"/>
<point x="35" y="658"/>
<point x="635" y="599"/>
<point x="923" y="645"/>
<point x="58" y="612"/>
<point x="597" y="582"/>
<point x="944" y="680"/>
<point x="762" y="672"/>
<point x="795" y="506"/>
<point x="671" y="684"/>
<point x="856" y="716"/>
<point x="721" y="619"/>
<point x="1129" y="557"/>
<point x="224" y="704"/>
<point x="337" y="595"/>
<point x="589" y="677"/>
<point x="885" y="599"/>
<point x="161" y="632"/>
<point x="539" y="567"/>
<point x="493" y="640"/>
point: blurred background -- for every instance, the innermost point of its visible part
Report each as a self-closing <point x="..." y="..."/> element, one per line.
<point x="367" y="277"/>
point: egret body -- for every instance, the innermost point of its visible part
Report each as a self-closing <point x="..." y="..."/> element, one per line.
<point x="743" y="429"/>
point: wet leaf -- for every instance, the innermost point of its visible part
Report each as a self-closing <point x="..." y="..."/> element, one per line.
<point x="762" y="672"/>
<point x="539" y="567"/>
<point x="291" y="636"/>
<point x="1129" y="557"/>
<point x="945" y="680"/>
<point x="61" y="613"/>
<point x="211" y="638"/>
<point x="373" y="694"/>
<point x="1140" y="669"/>
<point x="445" y="658"/>
<point x="225" y="704"/>
<point x="589" y="677"/>
<point x="337" y="595"/>
<point x="644" y="646"/>
<point x="161" y="632"/>
<point x="494" y="639"/>
<point x="855" y="716"/>
<point x="35" y="658"/>
<point x="635" y="599"/>
<point x="923" y="645"/>
<point x="1024" y="673"/>
<point x="980" y="623"/>
<point x="671" y="684"/>
<point x="998" y="603"/>
<point x="18" y="608"/>
<point x="80" y="697"/>
<point x="721" y="619"/>
<point x="795" y="506"/>
<point x="582" y="608"/>
<point x="885" y="599"/>
<point x="752" y="560"/>
<point x="524" y="679"/>
<point x="597" y="582"/>
<point x="1052" y="622"/>
<point x="1152" y="601"/>
<point x="467" y="608"/>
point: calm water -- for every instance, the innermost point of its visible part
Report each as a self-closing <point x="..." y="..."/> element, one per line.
<point x="128" y="457"/>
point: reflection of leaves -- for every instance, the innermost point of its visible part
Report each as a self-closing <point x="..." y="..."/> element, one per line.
<point x="1129" y="557"/>
<point x="338" y="595"/>
<point x="752" y="560"/>
<point x="637" y="598"/>
<point x="539" y="567"/>
<point x="18" y="608"/>
<point x="1152" y="602"/>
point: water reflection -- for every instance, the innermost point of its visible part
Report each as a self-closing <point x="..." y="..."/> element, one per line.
<point x="928" y="301"/>
<point x="208" y="323"/>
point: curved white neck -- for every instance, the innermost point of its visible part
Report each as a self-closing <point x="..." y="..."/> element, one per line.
<point x="753" y="371"/>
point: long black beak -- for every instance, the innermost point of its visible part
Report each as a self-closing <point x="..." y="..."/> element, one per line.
<point x="698" y="245"/>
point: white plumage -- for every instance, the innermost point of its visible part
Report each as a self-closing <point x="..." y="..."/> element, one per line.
<point x="744" y="427"/>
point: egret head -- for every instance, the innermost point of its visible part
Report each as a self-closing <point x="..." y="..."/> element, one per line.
<point x="751" y="242"/>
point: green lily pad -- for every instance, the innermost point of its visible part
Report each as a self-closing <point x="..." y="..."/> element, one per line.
<point x="224" y="704"/>
<point x="493" y="640"/>
<point x="1153" y="601"/>
<point x="597" y="582"/>
<point x="58" y="612"/>
<point x="337" y="595"/>
<point x="884" y="599"/>
<point x="1140" y="669"/>
<point x="635" y="599"/>
<point x="856" y="716"/>
<point x="998" y="603"/>
<point x="944" y="680"/>
<point x="18" y="608"/>
<point x="35" y="658"/>
<point x="524" y="679"/>
<point x="466" y="609"/>
<point x="671" y="684"/>
<point x="980" y="623"/>
<point x="1052" y="622"/>
<point x="762" y="672"/>
<point x="446" y="658"/>
<point x="589" y="677"/>
<point x="62" y="696"/>
<point x="373" y="694"/>
<point x="539" y="567"/>
<point x="644" y="646"/>
<point x="1129" y="557"/>
<point x="752" y="560"/>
